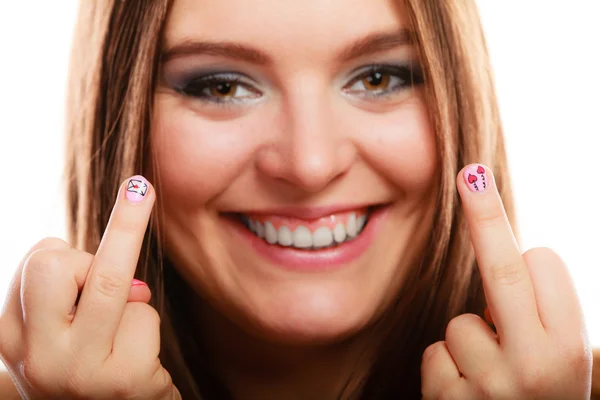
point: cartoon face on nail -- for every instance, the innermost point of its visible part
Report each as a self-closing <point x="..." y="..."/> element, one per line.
<point x="476" y="178"/>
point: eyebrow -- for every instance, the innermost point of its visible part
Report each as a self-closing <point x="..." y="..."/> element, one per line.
<point x="370" y="44"/>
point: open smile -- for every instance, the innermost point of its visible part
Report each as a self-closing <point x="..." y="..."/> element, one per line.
<point x="316" y="243"/>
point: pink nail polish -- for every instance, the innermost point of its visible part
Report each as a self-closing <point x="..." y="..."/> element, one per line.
<point x="476" y="178"/>
<point x="137" y="282"/>
<point x="136" y="189"/>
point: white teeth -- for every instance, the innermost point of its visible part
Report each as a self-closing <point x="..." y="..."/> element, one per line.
<point x="260" y="230"/>
<point x="351" y="225"/>
<point x="339" y="233"/>
<point x="285" y="237"/>
<point x="322" y="237"/>
<point x="270" y="233"/>
<point x="303" y="238"/>
<point x="360" y="222"/>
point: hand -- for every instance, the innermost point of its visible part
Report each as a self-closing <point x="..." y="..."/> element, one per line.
<point x="106" y="347"/>
<point x="541" y="349"/>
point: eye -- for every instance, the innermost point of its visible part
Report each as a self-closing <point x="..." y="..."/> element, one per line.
<point x="225" y="89"/>
<point x="381" y="80"/>
<point x="376" y="80"/>
<point x="219" y="88"/>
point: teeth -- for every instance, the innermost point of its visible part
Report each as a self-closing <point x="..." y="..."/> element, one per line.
<point x="285" y="236"/>
<point x="303" y="238"/>
<point x="322" y="237"/>
<point x="260" y="230"/>
<point x="360" y="223"/>
<point x="351" y="225"/>
<point x="270" y="233"/>
<point x="339" y="233"/>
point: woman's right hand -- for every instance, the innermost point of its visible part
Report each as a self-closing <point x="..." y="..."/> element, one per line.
<point x="108" y="345"/>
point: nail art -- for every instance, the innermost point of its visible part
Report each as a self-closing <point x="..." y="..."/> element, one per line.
<point x="476" y="178"/>
<point x="137" y="282"/>
<point x="137" y="187"/>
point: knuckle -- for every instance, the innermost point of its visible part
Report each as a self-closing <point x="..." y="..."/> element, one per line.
<point x="50" y="243"/>
<point x="533" y="380"/>
<point x="579" y="355"/>
<point x="162" y="379"/>
<point x="142" y="312"/>
<point x="491" y="385"/>
<point x="43" y="261"/>
<point x="8" y="345"/>
<point x="433" y="350"/>
<point x="127" y="224"/>
<point x="491" y="217"/>
<point x="509" y="273"/>
<point x="459" y="326"/>
<point x="452" y="392"/>
<point x="543" y="255"/>
<point x="124" y="387"/>
<point x="541" y="252"/>
<point x="109" y="284"/>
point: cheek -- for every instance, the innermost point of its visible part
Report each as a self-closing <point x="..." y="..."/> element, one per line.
<point x="198" y="158"/>
<point x="401" y="146"/>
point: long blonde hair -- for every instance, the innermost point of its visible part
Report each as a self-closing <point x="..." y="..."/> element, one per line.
<point x="115" y="63"/>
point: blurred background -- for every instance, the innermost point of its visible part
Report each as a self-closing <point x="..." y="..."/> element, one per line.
<point x="546" y="59"/>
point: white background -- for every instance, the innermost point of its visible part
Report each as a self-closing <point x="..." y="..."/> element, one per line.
<point x="546" y="58"/>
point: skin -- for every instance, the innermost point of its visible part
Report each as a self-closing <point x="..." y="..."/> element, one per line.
<point x="304" y="142"/>
<point x="296" y="137"/>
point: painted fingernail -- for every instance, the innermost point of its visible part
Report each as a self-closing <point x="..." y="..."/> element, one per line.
<point x="137" y="282"/>
<point x="476" y="178"/>
<point x="137" y="187"/>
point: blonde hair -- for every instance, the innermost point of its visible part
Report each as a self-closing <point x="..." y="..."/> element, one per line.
<point x="115" y="63"/>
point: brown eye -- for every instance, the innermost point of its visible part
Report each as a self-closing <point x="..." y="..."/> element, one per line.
<point x="223" y="89"/>
<point x="376" y="80"/>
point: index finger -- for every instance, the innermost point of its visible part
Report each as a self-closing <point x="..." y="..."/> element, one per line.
<point x="108" y="284"/>
<point x="506" y="280"/>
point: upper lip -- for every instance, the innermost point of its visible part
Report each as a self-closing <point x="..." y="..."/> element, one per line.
<point x="307" y="213"/>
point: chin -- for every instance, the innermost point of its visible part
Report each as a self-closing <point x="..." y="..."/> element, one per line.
<point x="311" y="315"/>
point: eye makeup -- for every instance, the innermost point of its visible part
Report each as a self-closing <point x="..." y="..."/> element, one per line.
<point x="230" y="88"/>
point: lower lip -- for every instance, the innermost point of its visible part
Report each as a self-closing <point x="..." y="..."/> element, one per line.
<point x="312" y="260"/>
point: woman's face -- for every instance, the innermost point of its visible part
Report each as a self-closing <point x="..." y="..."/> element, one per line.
<point x="297" y="163"/>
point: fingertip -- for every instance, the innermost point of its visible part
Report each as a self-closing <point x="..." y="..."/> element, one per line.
<point x="475" y="178"/>
<point x="139" y="293"/>
<point x="137" y="189"/>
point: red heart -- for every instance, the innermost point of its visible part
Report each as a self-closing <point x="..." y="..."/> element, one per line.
<point x="480" y="170"/>
<point x="472" y="178"/>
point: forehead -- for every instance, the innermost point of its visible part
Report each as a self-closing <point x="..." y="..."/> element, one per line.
<point x="283" y="25"/>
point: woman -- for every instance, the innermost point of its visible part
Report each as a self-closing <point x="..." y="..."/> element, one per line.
<point x="307" y="239"/>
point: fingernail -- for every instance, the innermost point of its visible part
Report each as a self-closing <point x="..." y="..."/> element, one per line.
<point x="137" y="282"/>
<point x="476" y="178"/>
<point x="136" y="189"/>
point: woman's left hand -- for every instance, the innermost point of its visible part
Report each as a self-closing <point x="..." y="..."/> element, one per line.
<point x="541" y="350"/>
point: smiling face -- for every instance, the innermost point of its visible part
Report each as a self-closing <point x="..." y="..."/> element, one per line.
<point x="297" y="163"/>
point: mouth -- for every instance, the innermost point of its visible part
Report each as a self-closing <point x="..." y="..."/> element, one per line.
<point x="314" y="239"/>
<point x="318" y="234"/>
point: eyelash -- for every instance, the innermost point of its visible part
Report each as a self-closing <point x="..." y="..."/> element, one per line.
<point x="195" y="87"/>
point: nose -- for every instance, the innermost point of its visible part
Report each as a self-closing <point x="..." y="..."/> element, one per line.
<point x="309" y="149"/>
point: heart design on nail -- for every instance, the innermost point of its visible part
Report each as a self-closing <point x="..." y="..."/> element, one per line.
<point x="480" y="170"/>
<point x="472" y="178"/>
